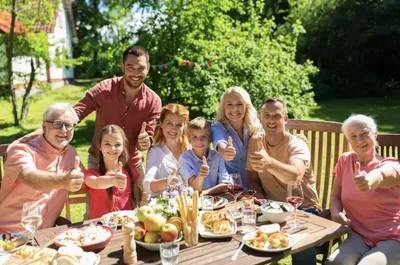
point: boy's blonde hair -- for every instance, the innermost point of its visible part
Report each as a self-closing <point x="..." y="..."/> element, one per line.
<point x="198" y="124"/>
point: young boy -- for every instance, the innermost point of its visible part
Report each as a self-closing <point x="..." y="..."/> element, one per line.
<point x="202" y="168"/>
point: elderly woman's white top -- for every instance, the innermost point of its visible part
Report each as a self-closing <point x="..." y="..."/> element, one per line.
<point x="159" y="164"/>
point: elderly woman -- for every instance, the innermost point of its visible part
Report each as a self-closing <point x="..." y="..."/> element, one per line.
<point x="367" y="188"/>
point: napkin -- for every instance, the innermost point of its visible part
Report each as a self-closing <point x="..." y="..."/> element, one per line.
<point x="4" y="257"/>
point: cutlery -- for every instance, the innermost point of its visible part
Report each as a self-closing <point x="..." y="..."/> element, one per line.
<point x="237" y="251"/>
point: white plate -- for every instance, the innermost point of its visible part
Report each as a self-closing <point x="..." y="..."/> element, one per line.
<point x="267" y="247"/>
<point x="121" y="214"/>
<point x="22" y="238"/>
<point x="209" y="234"/>
<point x="156" y="246"/>
<point x="220" y="206"/>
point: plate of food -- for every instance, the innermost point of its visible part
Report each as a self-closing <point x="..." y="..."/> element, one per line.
<point x="217" y="224"/>
<point x="89" y="238"/>
<point x="123" y="217"/>
<point x="269" y="239"/>
<point x="219" y="202"/>
<point x="12" y="242"/>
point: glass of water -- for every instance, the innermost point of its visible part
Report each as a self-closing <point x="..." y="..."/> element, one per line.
<point x="249" y="217"/>
<point x="169" y="253"/>
<point x="207" y="203"/>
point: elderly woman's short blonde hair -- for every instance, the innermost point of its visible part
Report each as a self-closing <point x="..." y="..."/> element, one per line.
<point x="360" y="119"/>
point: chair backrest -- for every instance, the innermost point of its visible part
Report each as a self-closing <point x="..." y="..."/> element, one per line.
<point x="79" y="197"/>
<point x="3" y="152"/>
<point x="389" y="145"/>
<point x="326" y="143"/>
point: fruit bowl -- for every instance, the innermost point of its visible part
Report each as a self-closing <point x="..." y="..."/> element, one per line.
<point x="89" y="238"/>
<point x="277" y="212"/>
<point x="155" y="246"/>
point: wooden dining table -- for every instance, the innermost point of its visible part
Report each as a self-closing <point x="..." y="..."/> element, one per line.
<point x="219" y="251"/>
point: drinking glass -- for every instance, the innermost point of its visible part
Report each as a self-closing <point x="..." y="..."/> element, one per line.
<point x="169" y="253"/>
<point x="295" y="197"/>
<point x="31" y="218"/>
<point x="235" y="190"/>
<point x="248" y="217"/>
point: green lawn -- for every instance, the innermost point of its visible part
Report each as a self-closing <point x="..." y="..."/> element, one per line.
<point x="385" y="110"/>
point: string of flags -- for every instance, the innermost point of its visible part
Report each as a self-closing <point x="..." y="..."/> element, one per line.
<point x="178" y="62"/>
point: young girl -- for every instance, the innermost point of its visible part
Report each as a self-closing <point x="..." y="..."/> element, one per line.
<point x="110" y="186"/>
<point x="170" y="142"/>
<point x="236" y="121"/>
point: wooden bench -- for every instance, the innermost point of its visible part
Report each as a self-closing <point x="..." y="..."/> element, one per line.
<point x="3" y="152"/>
<point x="327" y="143"/>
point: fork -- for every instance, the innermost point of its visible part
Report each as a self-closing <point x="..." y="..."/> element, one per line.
<point x="237" y="251"/>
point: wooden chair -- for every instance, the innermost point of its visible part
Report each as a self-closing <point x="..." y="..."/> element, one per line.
<point x="3" y="152"/>
<point x="79" y="197"/>
<point x="326" y="143"/>
<point x="389" y="145"/>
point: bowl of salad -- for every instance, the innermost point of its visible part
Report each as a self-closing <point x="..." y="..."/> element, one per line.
<point x="89" y="238"/>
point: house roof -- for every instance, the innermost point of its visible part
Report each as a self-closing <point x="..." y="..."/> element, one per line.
<point x="49" y="27"/>
<point x="5" y="23"/>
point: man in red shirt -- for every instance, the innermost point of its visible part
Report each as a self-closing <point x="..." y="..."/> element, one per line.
<point x="127" y="102"/>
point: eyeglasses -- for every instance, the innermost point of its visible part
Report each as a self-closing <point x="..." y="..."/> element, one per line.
<point x="59" y="124"/>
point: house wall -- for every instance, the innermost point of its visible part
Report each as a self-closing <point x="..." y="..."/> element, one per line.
<point x="60" y="39"/>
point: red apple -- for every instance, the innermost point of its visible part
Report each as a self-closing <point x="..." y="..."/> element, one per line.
<point x="177" y="221"/>
<point x="169" y="233"/>
<point x="139" y="231"/>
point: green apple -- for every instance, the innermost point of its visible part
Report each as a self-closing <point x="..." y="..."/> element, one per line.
<point x="143" y="212"/>
<point x="154" y="222"/>
<point x="152" y="237"/>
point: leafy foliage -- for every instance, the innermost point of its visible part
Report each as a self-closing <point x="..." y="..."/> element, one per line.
<point x="243" y="53"/>
<point x="354" y="42"/>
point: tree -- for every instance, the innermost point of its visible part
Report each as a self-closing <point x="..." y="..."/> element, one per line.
<point x="243" y="52"/>
<point x="28" y="43"/>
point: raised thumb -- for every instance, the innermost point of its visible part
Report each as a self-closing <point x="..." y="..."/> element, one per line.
<point x="143" y="129"/>
<point x="77" y="162"/>
<point x="230" y="141"/>
<point x="357" y="169"/>
<point x="119" y="166"/>
<point x="173" y="172"/>
<point x="204" y="161"/>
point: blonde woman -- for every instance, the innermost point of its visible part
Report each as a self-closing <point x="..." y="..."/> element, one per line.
<point x="236" y="121"/>
<point x="170" y="142"/>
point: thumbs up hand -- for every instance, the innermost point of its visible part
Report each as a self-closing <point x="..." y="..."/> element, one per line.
<point x="143" y="139"/>
<point x="366" y="181"/>
<point x="204" y="169"/>
<point x="260" y="160"/>
<point x="230" y="151"/>
<point x="117" y="177"/>
<point x="173" y="179"/>
<point x="73" y="180"/>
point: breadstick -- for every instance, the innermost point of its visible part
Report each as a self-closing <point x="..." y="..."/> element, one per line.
<point x="194" y="206"/>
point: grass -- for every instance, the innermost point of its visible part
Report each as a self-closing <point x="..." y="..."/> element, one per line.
<point x="385" y="110"/>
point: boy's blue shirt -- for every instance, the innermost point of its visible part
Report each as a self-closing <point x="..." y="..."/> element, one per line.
<point x="189" y="165"/>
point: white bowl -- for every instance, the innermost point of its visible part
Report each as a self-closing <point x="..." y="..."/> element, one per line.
<point x="275" y="217"/>
<point x="155" y="246"/>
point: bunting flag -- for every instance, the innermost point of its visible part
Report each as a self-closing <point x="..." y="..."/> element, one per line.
<point x="179" y="62"/>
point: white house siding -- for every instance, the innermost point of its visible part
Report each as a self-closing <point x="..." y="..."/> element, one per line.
<point x="61" y="39"/>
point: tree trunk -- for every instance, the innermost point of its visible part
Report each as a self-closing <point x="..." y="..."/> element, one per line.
<point x="10" y="49"/>
<point x="25" y="101"/>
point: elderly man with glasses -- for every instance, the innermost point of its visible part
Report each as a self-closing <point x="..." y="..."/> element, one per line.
<point x="42" y="170"/>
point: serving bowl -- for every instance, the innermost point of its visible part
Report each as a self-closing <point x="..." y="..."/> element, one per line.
<point x="65" y="238"/>
<point x="282" y="212"/>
